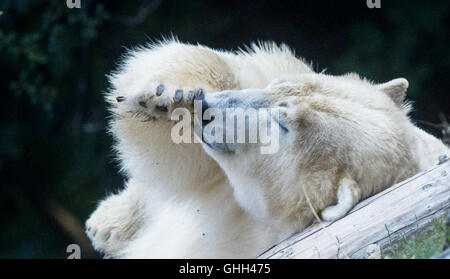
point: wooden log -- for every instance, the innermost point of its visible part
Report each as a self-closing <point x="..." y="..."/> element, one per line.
<point x="397" y="211"/>
<point x="444" y="255"/>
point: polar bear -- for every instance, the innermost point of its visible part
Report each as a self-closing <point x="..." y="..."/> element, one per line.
<point x="342" y="139"/>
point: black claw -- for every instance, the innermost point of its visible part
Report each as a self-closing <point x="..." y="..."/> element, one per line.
<point x="200" y="94"/>
<point x="88" y="228"/>
<point x="94" y="233"/>
<point x="107" y="237"/>
<point x="178" y="95"/>
<point x="159" y="90"/>
<point x="143" y="104"/>
<point x="191" y="96"/>
<point x="162" y="108"/>
<point x="120" y="98"/>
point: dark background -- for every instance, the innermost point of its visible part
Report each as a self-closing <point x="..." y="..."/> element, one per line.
<point x="56" y="160"/>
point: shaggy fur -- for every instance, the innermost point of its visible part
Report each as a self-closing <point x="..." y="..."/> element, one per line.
<point x="346" y="139"/>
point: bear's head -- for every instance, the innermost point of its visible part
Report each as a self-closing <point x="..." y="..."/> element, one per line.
<point x="320" y="128"/>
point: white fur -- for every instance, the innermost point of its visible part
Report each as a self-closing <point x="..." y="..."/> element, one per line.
<point x="188" y="203"/>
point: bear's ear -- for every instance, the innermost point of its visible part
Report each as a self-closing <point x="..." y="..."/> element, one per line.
<point x="395" y="89"/>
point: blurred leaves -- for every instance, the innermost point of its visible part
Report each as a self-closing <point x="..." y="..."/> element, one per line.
<point x="408" y="39"/>
<point x="46" y="49"/>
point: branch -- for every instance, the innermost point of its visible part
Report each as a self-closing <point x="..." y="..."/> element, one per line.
<point x="70" y="225"/>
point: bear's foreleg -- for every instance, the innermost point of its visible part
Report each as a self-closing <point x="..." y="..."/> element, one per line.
<point x="115" y="222"/>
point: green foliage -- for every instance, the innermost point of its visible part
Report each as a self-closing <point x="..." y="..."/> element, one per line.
<point x="421" y="245"/>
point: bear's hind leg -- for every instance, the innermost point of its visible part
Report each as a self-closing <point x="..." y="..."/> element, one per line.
<point x="348" y="195"/>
